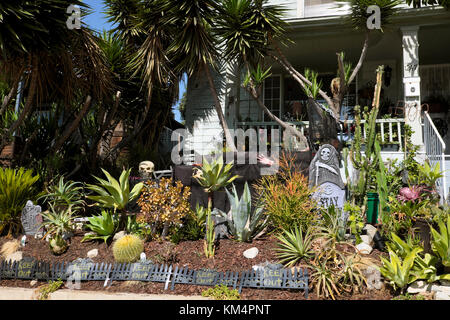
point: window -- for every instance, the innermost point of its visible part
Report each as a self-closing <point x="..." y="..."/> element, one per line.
<point x="272" y="96"/>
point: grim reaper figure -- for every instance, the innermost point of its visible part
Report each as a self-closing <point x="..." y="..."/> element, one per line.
<point x="325" y="167"/>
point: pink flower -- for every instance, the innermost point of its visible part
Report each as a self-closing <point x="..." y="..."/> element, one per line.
<point x="409" y="194"/>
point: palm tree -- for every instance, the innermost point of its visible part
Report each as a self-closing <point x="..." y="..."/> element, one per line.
<point x="262" y="34"/>
<point x="245" y="30"/>
<point x="55" y="63"/>
<point x="195" y="47"/>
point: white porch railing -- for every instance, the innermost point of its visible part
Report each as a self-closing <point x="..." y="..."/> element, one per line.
<point x="435" y="152"/>
<point x="391" y="130"/>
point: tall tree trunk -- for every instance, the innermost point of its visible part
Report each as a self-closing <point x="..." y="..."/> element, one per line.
<point x="68" y="132"/>
<point x="27" y="108"/>
<point x="229" y="139"/>
<point x="11" y="93"/>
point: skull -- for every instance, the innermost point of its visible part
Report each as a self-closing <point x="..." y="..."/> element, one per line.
<point x="146" y="168"/>
<point x="325" y="154"/>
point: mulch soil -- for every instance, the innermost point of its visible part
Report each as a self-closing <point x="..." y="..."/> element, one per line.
<point x="228" y="257"/>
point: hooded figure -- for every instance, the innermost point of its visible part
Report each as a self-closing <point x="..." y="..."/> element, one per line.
<point x="325" y="167"/>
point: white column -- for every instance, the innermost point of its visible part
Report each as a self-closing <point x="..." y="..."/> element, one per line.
<point x="411" y="81"/>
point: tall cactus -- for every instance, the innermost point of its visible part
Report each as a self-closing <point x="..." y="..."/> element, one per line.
<point x="367" y="163"/>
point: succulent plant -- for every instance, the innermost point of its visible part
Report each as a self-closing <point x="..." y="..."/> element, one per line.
<point x="128" y="248"/>
<point x="58" y="245"/>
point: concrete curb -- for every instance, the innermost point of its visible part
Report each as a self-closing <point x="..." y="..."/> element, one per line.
<point x="8" y="293"/>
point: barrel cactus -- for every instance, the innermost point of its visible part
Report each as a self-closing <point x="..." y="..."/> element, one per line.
<point x="128" y="248"/>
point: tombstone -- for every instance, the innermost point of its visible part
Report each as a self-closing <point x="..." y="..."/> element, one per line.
<point x="324" y="174"/>
<point x="32" y="219"/>
<point x="80" y="269"/>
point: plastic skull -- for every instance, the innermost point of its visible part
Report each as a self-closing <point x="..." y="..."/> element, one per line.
<point x="325" y="154"/>
<point x="146" y="168"/>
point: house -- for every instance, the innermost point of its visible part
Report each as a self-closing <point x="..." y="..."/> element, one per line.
<point x="414" y="48"/>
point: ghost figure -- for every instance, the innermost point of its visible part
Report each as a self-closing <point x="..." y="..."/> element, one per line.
<point x="146" y="168"/>
<point x="325" y="167"/>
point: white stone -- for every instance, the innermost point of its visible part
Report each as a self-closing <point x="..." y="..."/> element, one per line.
<point x="442" y="296"/>
<point x="367" y="239"/>
<point x="92" y="253"/>
<point x="33" y="283"/>
<point x="119" y="235"/>
<point x="16" y="256"/>
<point x="143" y="256"/>
<point x="419" y="287"/>
<point x="437" y="288"/>
<point x="251" y="253"/>
<point x="373" y="277"/>
<point x="370" y="230"/>
<point x="364" y="248"/>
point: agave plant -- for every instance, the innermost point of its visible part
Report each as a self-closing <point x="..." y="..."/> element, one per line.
<point x="115" y="194"/>
<point x="294" y="246"/>
<point x="16" y="188"/>
<point x="440" y="243"/>
<point x="104" y="226"/>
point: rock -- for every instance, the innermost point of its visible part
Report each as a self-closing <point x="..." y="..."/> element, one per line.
<point x="143" y="256"/>
<point x="119" y="235"/>
<point x="367" y="240"/>
<point x="373" y="277"/>
<point x="251" y="253"/>
<point x="33" y="283"/>
<point x="442" y="296"/>
<point x="92" y="253"/>
<point x="419" y="287"/>
<point x="16" y="256"/>
<point x="370" y="230"/>
<point x="445" y="289"/>
<point x="364" y="248"/>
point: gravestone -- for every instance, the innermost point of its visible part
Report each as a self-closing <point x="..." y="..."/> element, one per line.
<point x="324" y="174"/>
<point x="80" y="269"/>
<point x="26" y="268"/>
<point x="206" y="277"/>
<point x="31" y="219"/>
<point x="140" y="271"/>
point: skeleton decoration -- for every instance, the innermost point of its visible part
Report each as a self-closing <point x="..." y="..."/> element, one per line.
<point x="325" y="167"/>
<point x="146" y="168"/>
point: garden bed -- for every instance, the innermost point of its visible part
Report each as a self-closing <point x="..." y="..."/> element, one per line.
<point x="189" y="254"/>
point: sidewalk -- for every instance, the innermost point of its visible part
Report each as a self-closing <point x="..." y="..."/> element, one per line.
<point x="7" y="293"/>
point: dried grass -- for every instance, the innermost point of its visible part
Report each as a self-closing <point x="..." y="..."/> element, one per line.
<point x="9" y="248"/>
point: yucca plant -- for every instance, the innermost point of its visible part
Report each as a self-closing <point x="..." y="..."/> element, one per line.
<point x="294" y="246"/>
<point x="397" y="272"/>
<point x="104" y="226"/>
<point x="115" y="194"/>
<point x="17" y="186"/>
<point x="65" y="194"/>
<point x="440" y="243"/>
<point x="243" y="221"/>
<point x="215" y="176"/>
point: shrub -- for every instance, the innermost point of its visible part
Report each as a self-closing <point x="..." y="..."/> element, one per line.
<point x="163" y="205"/>
<point x="16" y="188"/>
<point x="193" y="227"/>
<point x="287" y="198"/>
<point x="221" y="292"/>
<point x="128" y="249"/>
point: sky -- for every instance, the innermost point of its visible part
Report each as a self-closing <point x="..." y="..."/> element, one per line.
<point x="98" y="21"/>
